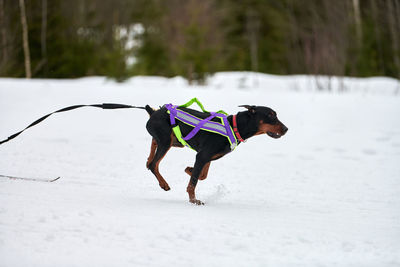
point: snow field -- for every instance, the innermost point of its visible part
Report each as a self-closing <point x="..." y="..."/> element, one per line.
<point x="325" y="194"/>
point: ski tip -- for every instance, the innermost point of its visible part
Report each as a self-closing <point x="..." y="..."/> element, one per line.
<point x="55" y="179"/>
<point x="30" y="178"/>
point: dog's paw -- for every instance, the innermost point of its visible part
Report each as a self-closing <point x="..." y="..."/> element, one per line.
<point x="196" y="201"/>
<point x="165" y="187"/>
<point x="189" y="170"/>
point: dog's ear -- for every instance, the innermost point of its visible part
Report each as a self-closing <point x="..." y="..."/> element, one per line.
<point x="251" y="109"/>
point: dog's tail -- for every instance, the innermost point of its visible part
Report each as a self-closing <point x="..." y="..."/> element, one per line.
<point x="149" y="109"/>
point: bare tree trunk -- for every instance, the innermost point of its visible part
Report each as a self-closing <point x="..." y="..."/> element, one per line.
<point x="299" y="52"/>
<point x="253" y="25"/>
<point x="397" y="4"/>
<point x="357" y="19"/>
<point x="375" y="16"/>
<point x="358" y="28"/>
<point x="3" y="35"/>
<point x="44" y="31"/>
<point x="190" y="74"/>
<point x="394" y="34"/>
<point x="25" y="40"/>
<point x="43" y="62"/>
<point x="397" y="29"/>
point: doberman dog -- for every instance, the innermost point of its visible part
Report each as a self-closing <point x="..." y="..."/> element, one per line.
<point x="209" y="146"/>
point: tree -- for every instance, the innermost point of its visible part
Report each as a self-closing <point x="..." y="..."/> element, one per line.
<point x="43" y="35"/>
<point x="253" y="27"/>
<point x="3" y="36"/>
<point x="393" y="9"/>
<point x="357" y="20"/>
<point x="25" y="40"/>
<point x="193" y="37"/>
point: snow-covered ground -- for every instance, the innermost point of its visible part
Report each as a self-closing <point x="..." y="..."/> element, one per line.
<point x="326" y="194"/>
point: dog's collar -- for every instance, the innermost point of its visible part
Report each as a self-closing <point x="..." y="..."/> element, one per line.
<point x="235" y="129"/>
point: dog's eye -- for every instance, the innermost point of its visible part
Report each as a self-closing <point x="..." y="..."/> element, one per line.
<point x="271" y="115"/>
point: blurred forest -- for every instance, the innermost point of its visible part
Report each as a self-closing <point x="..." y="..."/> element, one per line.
<point x="195" y="38"/>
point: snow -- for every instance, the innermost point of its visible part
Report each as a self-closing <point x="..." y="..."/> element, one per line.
<point x="325" y="194"/>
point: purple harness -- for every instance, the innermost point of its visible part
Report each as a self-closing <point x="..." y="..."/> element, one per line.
<point x="223" y="128"/>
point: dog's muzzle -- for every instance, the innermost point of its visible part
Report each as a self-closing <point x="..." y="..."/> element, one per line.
<point x="284" y="129"/>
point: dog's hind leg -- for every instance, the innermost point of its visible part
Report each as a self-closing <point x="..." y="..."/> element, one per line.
<point x="152" y="152"/>
<point x="203" y="174"/>
<point x="163" y="145"/>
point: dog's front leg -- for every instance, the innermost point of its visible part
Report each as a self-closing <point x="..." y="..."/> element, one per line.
<point x="201" y="162"/>
<point x="192" y="196"/>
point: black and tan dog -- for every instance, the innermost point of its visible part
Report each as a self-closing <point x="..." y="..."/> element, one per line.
<point x="209" y="146"/>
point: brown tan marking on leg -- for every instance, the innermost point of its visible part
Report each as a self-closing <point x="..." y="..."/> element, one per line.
<point x="189" y="170"/>
<point x="192" y="196"/>
<point x="204" y="171"/>
<point x="218" y="156"/>
<point x="152" y="152"/>
<point x="161" y="181"/>
<point x="154" y="166"/>
<point x="175" y="141"/>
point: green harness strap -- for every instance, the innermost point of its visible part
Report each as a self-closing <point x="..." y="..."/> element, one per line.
<point x="195" y="100"/>
<point x="178" y="134"/>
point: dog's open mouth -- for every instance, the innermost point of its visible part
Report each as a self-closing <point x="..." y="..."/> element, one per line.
<point x="274" y="135"/>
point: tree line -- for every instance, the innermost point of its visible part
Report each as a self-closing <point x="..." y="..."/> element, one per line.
<point x="195" y="38"/>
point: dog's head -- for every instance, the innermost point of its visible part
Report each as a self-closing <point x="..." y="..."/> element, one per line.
<point x="266" y="121"/>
